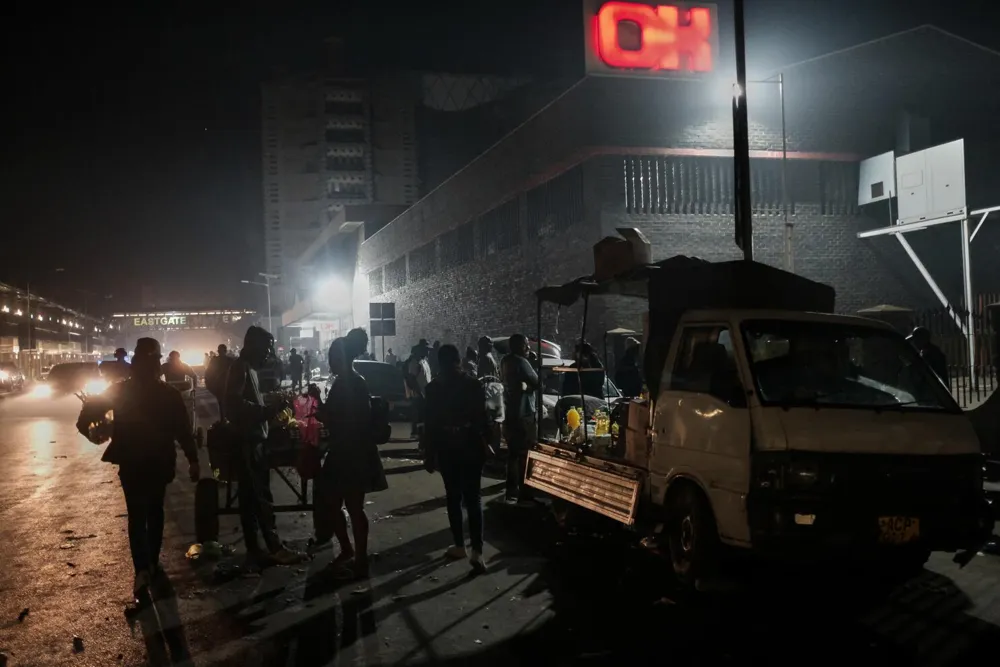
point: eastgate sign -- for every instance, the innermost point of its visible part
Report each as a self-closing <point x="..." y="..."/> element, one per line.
<point x="213" y="319"/>
<point x="173" y="320"/>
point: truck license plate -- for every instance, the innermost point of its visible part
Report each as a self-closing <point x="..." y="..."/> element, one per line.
<point x="898" y="529"/>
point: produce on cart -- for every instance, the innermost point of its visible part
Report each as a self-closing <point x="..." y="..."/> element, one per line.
<point x="291" y="443"/>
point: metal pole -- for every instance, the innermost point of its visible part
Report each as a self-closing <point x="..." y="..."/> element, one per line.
<point x="967" y="291"/>
<point x="789" y="257"/>
<point x="270" y="323"/>
<point x="741" y="141"/>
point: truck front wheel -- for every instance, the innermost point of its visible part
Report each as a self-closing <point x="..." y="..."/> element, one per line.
<point x="692" y="535"/>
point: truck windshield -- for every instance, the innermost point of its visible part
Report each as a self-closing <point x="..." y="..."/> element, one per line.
<point x="828" y="364"/>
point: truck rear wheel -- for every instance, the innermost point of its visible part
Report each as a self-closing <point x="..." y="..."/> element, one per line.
<point x="691" y="535"/>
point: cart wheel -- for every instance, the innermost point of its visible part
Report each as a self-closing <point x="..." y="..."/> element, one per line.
<point x="199" y="437"/>
<point x="206" y="511"/>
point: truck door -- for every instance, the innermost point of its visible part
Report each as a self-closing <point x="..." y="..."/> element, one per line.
<point x="701" y="427"/>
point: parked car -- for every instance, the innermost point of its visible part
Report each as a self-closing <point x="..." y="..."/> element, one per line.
<point x="549" y="349"/>
<point x="74" y="377"/>
<point x="11" y="378"/>
<point x="385" y="381"/>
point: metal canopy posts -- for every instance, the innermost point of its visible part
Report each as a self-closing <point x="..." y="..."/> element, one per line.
<point x="899" y="231"/>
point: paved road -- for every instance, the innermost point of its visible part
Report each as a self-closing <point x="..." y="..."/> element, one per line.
<point x="569" y="597"/>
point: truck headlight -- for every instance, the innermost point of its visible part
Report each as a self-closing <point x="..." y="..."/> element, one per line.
<point x="95" y="387"/>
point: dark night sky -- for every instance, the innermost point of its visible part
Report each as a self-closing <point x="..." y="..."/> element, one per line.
<point x="131" y="135"/>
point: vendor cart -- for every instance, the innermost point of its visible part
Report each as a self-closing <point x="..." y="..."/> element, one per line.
<point x="285" y="449"/>
<point x="188" y="392"/>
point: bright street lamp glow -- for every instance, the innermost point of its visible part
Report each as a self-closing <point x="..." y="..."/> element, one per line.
<point x="333" y="293"/>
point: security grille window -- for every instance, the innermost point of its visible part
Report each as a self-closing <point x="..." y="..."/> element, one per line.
<point x="336" y="108"/>
<point x="395" y="274"/>
<point x="345" y="136"/>
<point x="375" y="282"/>
<point x="499" y="229"/>
<point x="838" y="185"/>
<point x="423" y="262"/>
<point x="458" y="246"/>
<point x="345" y="163"/>
<point x="556" y="205"/>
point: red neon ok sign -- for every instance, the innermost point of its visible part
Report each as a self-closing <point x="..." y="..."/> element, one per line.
<point x="663" y="43"/>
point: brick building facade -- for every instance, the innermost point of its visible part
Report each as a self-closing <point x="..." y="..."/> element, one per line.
<point x="656" y="154"/>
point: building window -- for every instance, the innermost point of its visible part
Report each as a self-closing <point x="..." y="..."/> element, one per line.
<point x="375" y="282"/>
<point x="458" y="246"/>
<point x="345" y="136"/>
<point x="395" y="274"/>
<point x="338" y="108"/>
<point x="556" y="205"/>
<point x="499" y="229"/>
<point x="345" y="163"/>
<point x="338" y="190"/>
<point x="423" y="262"/>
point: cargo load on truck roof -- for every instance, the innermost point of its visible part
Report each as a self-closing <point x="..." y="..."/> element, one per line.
<point x="679" y="284"/>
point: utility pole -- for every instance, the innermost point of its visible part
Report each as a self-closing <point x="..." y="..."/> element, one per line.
<point x="741" y="142"/>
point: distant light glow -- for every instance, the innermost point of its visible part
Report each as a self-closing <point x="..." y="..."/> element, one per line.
<point x="637" y="36"/>
<point x="333" y="293"/>
<point x="95" y="386"/>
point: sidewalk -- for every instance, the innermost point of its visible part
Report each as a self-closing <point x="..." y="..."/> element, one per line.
<point x="419" y="607"/>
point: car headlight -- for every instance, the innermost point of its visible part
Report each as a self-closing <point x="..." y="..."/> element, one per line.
<point x="3" y="375"/>
<point x="42" y="391"/>
<point x="95" y="387"/>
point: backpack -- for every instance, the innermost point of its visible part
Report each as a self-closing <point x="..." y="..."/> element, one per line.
<point x="381" y="428"/>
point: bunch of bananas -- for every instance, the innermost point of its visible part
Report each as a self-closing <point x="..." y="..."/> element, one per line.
<point x="287" y="418"/>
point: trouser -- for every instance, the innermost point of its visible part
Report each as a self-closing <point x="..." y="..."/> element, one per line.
<point x="144" y="503"/>
<point x="256" y="503"/>
<point x="221" y="404"/>
<point x="520" y="436"/>
<point x="296" y="380"/>
<point x="417" y="412"/>
<point x="462" y="477"/>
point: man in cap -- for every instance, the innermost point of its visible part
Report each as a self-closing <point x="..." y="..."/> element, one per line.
<point x="117" y="370"/>
<point x="149" y="418"/>
<point x="486" y="364"/>
<point x="249" y="417"/>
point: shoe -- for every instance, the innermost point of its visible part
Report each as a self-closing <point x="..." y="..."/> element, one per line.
<point x="510" y="500"/>
<point x="286" y="556"/>
<point x="456" y="553"/>
<point x="141" y="584"/>
<point x="476" y="561"/>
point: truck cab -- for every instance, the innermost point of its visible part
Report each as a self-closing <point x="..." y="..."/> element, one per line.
<point x="784" y="432"/>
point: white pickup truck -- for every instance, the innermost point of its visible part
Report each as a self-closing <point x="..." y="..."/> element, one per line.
<point x="774" y="427"/>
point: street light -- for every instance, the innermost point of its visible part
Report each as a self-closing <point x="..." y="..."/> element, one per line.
<point x="268" y="277"/>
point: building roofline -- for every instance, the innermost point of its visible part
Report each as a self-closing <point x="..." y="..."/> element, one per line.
<point x="885" y="38"/>
<point x="483" y="154"/>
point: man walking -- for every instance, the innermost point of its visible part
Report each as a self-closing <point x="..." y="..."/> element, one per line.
<point x="520" y="383"/>
<point x="249" y="418"/>
<point x="486" y="364"/>
<point x="295" y="368"/>
<point x="215" y="377"/>
<point x="456" y="434"/>
<point x="149" y="418"/>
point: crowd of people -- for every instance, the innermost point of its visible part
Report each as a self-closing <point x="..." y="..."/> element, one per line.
<point x="463" y="403"/>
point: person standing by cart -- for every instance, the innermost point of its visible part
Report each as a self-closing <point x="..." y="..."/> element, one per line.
<point x="520" y="383"/>
<point x="249" y="417"/>
<point x="215" y="377"/>
<point x="177" y="372"/>
<point x="456" y="437"/>
<point x="117" y="370"/>
<point x="149" y="418"/>
<point x="295" y="368"/>
<point x="353" y="467"/>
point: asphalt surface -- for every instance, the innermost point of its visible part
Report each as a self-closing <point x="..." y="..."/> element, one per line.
<point x="562" y="595"/>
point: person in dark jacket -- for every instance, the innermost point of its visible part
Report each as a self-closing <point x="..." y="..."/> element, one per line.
<point x="628" y="375"/>
<point x="176" y="372"/>
<point x="295" y="365"/>
<point x="249" y="419"/>
<point x="520" y="383"/>
<point x="149" y="418"/>
<point x="457" y="433"/>
<point x="215" y="377"/>
<point x="117" y="370"/>
<point x="920" y="338"/>
<point x="486" y="363"/>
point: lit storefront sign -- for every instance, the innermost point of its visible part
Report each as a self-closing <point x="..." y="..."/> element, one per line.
<point x="634" y="38"/>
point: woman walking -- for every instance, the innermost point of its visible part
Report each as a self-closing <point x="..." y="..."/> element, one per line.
<point x="353" y="466"/>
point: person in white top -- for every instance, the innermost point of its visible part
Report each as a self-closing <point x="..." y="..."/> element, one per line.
<point x="418" y="376"/>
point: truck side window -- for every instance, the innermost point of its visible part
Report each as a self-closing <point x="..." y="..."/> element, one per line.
<point x="705" y="362"/>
